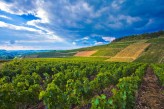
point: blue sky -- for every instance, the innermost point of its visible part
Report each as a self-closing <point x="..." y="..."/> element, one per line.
<point x="68" y="24"/>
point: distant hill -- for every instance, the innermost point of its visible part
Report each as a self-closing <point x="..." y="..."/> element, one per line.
<point x="141" y="36"/>
<point x="152" y="53"/>
<point x="11" y="54"/>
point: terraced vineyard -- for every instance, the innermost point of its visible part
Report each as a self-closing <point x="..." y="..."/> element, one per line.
<point x="71" y="83"/>
<point x="85" y="53"/>
<point x="154" y="53"/>
<point x="130" y="53"/>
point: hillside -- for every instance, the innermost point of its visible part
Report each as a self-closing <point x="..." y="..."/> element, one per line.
<point x="130" y="53"/>
<point x="155" y="49"/>
<point x="155" y="52"/>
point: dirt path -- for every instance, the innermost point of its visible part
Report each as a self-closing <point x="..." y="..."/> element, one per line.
<point x="150" y="93"/>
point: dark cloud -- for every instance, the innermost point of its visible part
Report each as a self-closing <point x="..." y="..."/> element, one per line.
<point x="73" y="20"/>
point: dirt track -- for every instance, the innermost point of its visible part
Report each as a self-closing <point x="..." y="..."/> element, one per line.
<point x="150" y="93"/>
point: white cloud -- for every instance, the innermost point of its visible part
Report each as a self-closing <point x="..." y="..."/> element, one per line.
<point x="15" y="27"/>
<point x="86" y="38"/>
<point x="117" y="21"/>
<point x="109" y="39"/>
<point x="99" y="43"/>
<point x="6" y="17"/>
<point x="74" y="43"/>
<point x="116" y="4"/>
<point x="17" y="47"/>
<point x="115" y="25"/>
<point x="48" y="35"/>
<point x="15" y="8"/>
<point x="100" y="12"/>
<point x="129" y="19"/>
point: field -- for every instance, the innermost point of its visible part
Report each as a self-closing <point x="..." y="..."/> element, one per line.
<point x="130" y="53"/>
<point x="111" y="49"/>
<point x="74" y="83"/>
<point x="154" y="53"/>
<point x="85" y="53"/>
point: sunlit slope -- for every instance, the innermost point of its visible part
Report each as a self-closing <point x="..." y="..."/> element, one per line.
<point x="85" y="53"/>
<point x="154" y="53"/>
<point x="130" y="53"/>
<point x="147" y="47"/>
<point x="107" y="50"/>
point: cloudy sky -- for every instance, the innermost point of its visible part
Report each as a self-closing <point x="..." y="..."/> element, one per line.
<point x="67" y="24"/>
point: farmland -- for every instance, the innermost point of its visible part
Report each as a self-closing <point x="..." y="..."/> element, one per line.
<point x="71" y="83"/>
<point x="131" y="52"/>
<point x="154" y="53"/>
<point x="85" y="53"/>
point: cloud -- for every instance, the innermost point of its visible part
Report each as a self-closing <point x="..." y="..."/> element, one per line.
<point x="116" y="4"/>
<point x="23" y="28"/>
<point x="109" y="39"/>
<point x="69" y="21"/>
<point x="17" y="7"/>
<point x="99" y="43"/>
<point x="6" y="17"/>
<point x="74" y="43"/>
<point x="15" y="27"/>
<point x="86" y="38"/>
<point x="19" y="47"/>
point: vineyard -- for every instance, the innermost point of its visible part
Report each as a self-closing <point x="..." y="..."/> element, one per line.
<point x="130" y="53"/>
<point x="85" y="53"/>
<point x="72" y="83"/>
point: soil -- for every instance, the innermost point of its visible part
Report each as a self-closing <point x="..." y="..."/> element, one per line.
<point x="40" y="105"/>
<point x="150" y="94"/>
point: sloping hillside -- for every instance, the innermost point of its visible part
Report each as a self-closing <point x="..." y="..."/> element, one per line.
<point x="154" y="53"/>
<point x="85" y="53"/>
<point x="130" y="53"/>
<point x="139" y="53"/>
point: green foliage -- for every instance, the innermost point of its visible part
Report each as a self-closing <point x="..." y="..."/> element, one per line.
<point x="124" y="95"/>
<point x="159" y="71"/>
<point x="64" y="83"/>
<point x="141" y="36"/>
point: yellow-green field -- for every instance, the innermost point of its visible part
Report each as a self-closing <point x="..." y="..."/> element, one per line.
<point x="130" y="53"/>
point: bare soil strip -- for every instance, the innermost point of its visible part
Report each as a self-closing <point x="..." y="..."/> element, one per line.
<point x="150" y="94"/>
<point x="85" y="53"/>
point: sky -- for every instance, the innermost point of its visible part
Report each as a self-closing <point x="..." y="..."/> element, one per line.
<point x="69" y="24"/>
